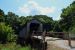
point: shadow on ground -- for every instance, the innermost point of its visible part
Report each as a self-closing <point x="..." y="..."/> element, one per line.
<point x="35" y="43"/>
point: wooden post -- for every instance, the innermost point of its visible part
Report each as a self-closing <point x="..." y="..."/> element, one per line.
<point x="43" y="36"/>
<point x="33" y="41"/>
<point x="69" y="40"/>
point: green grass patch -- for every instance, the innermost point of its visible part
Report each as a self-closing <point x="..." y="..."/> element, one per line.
<point x="13" y="46"/>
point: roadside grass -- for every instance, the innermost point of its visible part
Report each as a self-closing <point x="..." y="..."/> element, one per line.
<point x="13" y="46"/>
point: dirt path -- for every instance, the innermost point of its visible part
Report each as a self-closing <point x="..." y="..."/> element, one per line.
<point x="59" y="45"/>
<point x="52" y="46"/>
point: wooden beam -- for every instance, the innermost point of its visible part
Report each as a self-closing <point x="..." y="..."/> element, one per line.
<point x="69" y="40"/>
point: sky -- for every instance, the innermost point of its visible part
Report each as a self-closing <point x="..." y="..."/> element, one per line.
<point x="51" y="8"/>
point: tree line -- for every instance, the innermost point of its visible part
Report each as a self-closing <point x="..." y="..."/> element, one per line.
<point x="11" y="24"/>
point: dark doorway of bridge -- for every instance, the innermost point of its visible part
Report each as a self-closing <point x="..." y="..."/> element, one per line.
<point x="34" y="27"/>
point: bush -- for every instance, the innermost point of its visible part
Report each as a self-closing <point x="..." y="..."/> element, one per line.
<point x="72" y="30"/>
<point x="6" y="33"/>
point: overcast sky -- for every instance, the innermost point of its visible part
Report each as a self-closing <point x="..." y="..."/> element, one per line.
<point x="50" y="8"/>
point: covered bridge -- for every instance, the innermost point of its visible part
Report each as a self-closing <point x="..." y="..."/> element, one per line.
<point x="32" y="25"/>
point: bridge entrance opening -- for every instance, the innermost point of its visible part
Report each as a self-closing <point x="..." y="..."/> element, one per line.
<point x="34" y="27"/>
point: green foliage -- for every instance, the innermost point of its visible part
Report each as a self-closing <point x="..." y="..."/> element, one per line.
<point x="2" y="15"/>
<point x="13" y="46"/>
<point x="13" y="20"/>
<point x="57" y="27"/>
<point x="43" y="18"/>
<point x="22" y="20"/>
<point x="72" y="29"/>
<point x="1" y="12"/>
<point x="68" y="17"/>
<point x="6" y="32"/>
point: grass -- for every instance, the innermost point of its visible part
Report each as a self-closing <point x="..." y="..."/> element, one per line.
<point x="13" y="46"/>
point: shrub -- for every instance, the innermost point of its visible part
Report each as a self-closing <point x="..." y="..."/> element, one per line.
<point x="72" y="30"/>
<point x="6" y="33"/>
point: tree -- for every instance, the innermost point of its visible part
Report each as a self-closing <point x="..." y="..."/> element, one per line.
<point x="2" y="16"/>
<point x="22" y="20"/>
<point x="13" y="20"/>
<point x="57" y="27"/>
<point x="68" y="17"/>
<point x="43" y="18"/>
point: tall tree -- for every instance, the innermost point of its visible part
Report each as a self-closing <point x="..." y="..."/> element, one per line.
<point x="2" y="16"/>
<point x="13" y="20"/>
<point x="68" y="17"/>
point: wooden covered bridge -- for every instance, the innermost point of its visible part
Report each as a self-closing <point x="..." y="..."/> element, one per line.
<point x="35" y="34"/>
